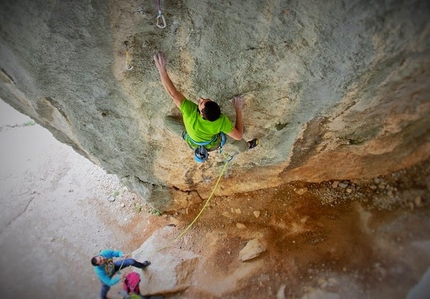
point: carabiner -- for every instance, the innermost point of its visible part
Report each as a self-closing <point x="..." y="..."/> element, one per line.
<point x="161" y="18"/>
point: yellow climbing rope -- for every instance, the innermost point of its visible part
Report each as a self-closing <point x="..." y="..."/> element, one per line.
<point x="203" y="208"/>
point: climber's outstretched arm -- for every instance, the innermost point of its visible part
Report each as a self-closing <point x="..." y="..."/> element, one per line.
<point x="160" y="63"/>
<point x="237" y="132"/>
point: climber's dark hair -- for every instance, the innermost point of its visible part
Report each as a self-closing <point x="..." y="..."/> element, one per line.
<point x="212" y="111"/>
<point x="94" y="261"/>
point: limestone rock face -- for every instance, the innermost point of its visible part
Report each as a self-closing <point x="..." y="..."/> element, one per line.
<point x="333" y="90"/>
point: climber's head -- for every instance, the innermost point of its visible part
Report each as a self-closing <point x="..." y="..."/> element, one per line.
<point x="209" y="110"/>
<point x="98" y="260"/>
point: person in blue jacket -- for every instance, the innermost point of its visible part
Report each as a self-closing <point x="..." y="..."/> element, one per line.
<point x="106" y="268"/>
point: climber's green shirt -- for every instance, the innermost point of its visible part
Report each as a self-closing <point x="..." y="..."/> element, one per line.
<point x="199" y="129"/>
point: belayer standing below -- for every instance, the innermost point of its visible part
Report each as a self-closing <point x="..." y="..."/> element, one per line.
<point x="203" y="123"/>
<point x="106" y="268"/>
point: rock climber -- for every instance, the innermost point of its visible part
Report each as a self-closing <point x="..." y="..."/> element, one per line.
<point x="106" y="268"/>
<point x="203" y="124"/>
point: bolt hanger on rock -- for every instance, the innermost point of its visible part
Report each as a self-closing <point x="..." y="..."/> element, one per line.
<point x="161" y="21"/>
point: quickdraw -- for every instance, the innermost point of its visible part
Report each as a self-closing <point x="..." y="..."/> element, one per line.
<point x="160" y="20"/>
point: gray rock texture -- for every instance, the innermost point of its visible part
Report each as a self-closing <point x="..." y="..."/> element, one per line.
<point x="333" y="89"/>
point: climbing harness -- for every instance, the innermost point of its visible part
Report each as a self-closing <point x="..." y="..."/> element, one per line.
<point x="223" y="141"/>
<point x="127" y="58"/>
<point x="201" y="154"/>
<point x="161" y="21"/>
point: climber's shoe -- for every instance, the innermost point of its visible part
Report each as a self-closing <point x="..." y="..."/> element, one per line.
<point x="253" y="143"/>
